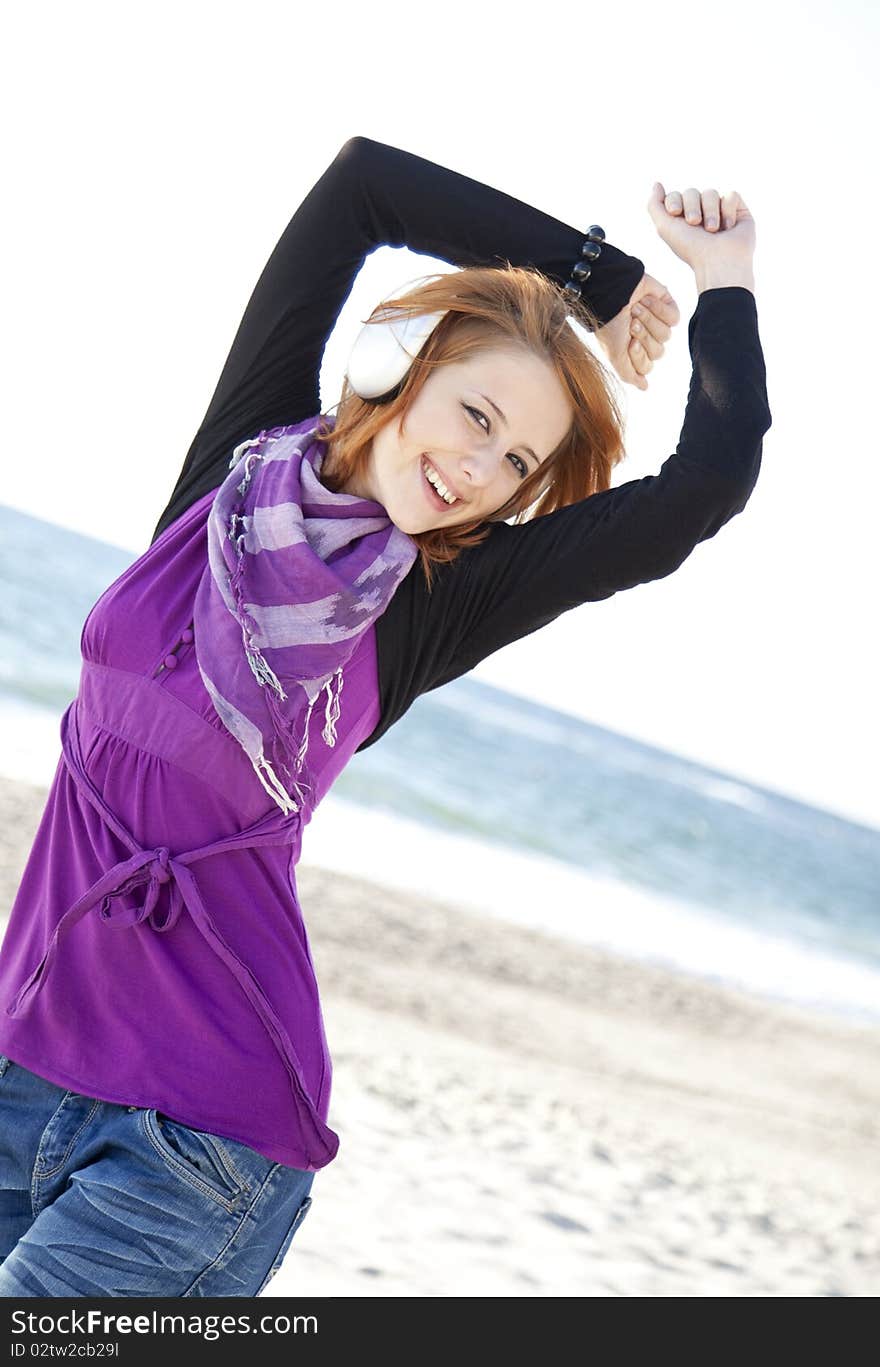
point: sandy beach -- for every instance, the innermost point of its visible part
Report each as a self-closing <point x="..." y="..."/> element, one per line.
<point x="522" y="1116"/>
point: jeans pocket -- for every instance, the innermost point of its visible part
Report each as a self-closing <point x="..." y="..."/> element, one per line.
<point x="298" y="1218"/>
<point x="207" y="1161"/>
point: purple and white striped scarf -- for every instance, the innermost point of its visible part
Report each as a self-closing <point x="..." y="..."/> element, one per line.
<point x="295" y="575"/>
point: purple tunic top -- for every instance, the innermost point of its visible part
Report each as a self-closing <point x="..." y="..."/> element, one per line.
<point x="110" y="987"/>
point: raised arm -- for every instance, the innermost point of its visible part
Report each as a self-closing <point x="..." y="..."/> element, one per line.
<point x="371" y="195"/>
<point x="523" y="577"/>
<point x="645" y="528"/>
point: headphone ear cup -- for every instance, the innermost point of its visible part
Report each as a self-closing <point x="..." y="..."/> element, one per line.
<point x="383" y="353"/>
<point x="380" y="400"/>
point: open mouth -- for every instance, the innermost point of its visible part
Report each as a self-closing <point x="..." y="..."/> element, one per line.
<point x="435" y="498"/>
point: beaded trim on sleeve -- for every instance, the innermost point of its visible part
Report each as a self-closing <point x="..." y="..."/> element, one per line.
<point x="581" y="270"/>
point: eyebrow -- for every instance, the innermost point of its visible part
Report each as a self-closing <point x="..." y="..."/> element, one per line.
<point x="528" y="450"/>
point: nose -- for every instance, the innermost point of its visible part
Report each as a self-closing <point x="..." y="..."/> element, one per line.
<point x="477" y="468"/>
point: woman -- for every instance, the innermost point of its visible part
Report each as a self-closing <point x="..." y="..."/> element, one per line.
<point x="165" y="1088"/>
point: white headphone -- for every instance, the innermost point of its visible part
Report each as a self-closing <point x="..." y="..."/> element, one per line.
<point x="384" y="351"/>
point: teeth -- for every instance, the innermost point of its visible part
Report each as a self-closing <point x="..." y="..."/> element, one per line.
<point x="434" y="478"/>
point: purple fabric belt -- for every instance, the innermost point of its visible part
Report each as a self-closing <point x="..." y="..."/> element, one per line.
<point x="152" y="869"/>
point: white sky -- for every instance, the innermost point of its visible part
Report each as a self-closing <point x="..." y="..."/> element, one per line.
<point x="153" y="157"/>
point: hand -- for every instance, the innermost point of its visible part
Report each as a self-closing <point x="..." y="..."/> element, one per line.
<point x="633" y="343"/>
<point x="704" y="228"/>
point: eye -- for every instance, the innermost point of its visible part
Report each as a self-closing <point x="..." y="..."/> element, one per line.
<point x="476" y="412"/>
<point x="519" y="464"/>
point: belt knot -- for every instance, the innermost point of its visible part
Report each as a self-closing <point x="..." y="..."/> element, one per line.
<point x="159" y="866"/>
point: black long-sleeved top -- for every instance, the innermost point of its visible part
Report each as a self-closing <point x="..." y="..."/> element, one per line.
<point x="521" y="577"/>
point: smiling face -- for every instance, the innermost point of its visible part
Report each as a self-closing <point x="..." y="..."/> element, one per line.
<point x="454" y="430"/>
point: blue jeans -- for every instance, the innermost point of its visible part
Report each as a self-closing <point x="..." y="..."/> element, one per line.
<point x="98" y="1199"/>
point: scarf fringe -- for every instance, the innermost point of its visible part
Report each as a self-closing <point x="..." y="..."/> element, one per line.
<point x="275" y="788"/>
<point x="261" y="671"/>
<point x="304" y="743"/>
<point x="332" y="712"/>
<point x="240" y="450"/>
<point x="332" y="709"/>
